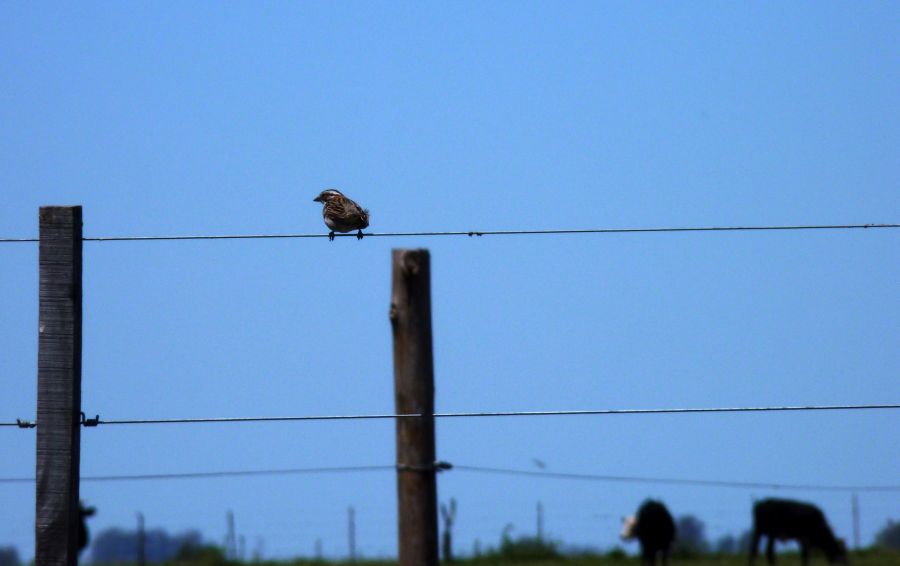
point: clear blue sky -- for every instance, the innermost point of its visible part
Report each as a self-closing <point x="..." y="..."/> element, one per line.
<point x="210" y="118"/>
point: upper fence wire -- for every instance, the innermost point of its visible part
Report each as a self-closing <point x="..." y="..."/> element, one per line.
<point x="96" y="421"/>
<point x="472" y="233"/>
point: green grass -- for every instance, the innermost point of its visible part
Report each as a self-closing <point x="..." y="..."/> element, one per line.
<point x="860" y="558"/>
<point x="526" y="552"/>
<point x="863" y="558"/>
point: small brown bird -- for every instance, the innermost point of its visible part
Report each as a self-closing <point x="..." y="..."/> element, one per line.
<point x="342" y="214"/>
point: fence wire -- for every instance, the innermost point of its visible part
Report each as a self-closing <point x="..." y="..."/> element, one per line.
<point x="476" y="233"/>
<point x="96" y="421"/>
<point x="477" y="469"/>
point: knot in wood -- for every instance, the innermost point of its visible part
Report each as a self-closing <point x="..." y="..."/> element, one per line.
<point x="410" y="265"/>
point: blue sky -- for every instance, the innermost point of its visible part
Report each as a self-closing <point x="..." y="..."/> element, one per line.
<point x="203" y="118"/>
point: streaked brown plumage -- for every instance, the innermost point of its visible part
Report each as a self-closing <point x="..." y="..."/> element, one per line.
<point x="341" y="214"/>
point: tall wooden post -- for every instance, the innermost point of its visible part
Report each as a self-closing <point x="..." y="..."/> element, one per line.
<point x="414" y="394"/>
<point x="59" y="387"/>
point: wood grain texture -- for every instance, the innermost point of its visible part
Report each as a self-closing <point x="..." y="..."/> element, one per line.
<point x="410" y="316"/>
<point x="59" y="387"/>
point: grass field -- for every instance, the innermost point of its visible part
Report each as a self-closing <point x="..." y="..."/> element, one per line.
<point x="860" y="559"/>
<point x="214" y="556"/>
<point x="863" y="558"/>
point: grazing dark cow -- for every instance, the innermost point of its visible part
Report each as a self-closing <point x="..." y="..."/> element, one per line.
<point x="783" y="519"/>
<point x="655" y="530"/>
<point x="84" y="537"/>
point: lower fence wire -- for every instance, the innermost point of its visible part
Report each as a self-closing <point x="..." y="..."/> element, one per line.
<point x="476" y="469"/>
<point x="96" y="421"/>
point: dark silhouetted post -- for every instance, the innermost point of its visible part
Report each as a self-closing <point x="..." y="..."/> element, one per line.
<point x="540" y="521"/>
<point x="414" y="394"/>
<point x="141" y="541"/>
<point x="448" y="513"/>
<point x="351" y="533"/>
<point x="57" y="515"/>
<point x="855" y="502"/>
<point x="230" y="539"/>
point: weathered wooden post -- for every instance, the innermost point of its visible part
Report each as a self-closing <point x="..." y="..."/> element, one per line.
<point x="414" y="394"/>
<point x="59" y="387"/>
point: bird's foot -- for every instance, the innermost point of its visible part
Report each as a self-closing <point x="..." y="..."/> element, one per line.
<point x="331" y="236"/>
<point x="359" y="235"/>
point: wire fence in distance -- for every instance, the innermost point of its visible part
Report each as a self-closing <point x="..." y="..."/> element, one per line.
<point x="479" y="469"/>
<point x="674" y="481"/>
<point x="471" y="233"/>
<point x="220" y="474"/>
<point x="384" y="416"/>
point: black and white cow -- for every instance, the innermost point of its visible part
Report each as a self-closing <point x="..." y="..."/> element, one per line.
<point x="655" y="530"/>
<point x="784" y="519"/>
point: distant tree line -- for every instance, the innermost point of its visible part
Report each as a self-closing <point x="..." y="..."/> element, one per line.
<point x="889" y="536"/>
<point x="9" y="556"/>
<point x="119" y="545"/>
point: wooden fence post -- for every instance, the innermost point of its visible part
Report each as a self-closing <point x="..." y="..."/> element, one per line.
<point x="414" y="393"/>
<point x="59" y="387"/>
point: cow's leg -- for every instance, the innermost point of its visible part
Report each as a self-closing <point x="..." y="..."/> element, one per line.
<point x="665" y="557"/>
<point x="754" y="545"/>
<point x="804" y="553"/>
<point x="648" y="557"/>
<point x="770" y="550"/>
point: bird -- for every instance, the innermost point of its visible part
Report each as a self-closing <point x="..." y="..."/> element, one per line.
<point x="342" y="214"/>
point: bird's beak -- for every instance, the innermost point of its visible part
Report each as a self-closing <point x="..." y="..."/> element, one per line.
<point x="318" y="199"/>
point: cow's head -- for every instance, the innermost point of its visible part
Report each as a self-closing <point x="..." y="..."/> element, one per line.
<point x="628" y="527"/>
<point x="839" y="554"/>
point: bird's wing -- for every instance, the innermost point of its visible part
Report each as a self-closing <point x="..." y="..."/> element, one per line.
<point x="351" y="207"/>
<point x="356" y="212"/>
